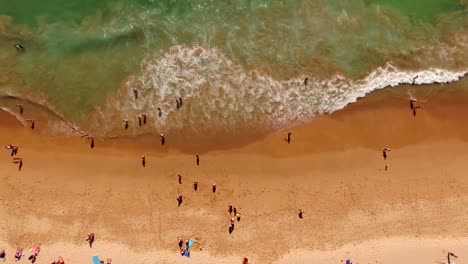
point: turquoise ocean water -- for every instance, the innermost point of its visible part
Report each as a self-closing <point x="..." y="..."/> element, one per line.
<point x="238" y="65"/>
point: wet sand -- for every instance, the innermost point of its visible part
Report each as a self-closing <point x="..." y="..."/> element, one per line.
<point x="333" y="169"/>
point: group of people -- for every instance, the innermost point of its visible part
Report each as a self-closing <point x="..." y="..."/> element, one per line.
<point x="232" y="209"/>
<point x="184" y="250"/>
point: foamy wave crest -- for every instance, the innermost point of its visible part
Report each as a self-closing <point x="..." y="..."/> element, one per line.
<point x="222" y="98"/>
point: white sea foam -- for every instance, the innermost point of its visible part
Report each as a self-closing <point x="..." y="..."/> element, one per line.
<point x="220" y="95"/>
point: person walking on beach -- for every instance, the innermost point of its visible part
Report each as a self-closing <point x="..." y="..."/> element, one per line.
<point x="300" y="213"/>
<point x="135" y="93"/>
<point x="214" y="188"/>
<point x="245" y="260"/>
<point x="198" y="160"/>
<point x="125" y="123"/>
<point x="411" y="103"/>
<point x="13" y="148"/>
<point x="450" y="255"/>
<point x="20" y="107"/>
<point x="414" y="80"/>
<point x="180" y="178"/>
<point x="235" y="210"/>
<point x="179" y="200"/>
<point x="230" y="209"/>
<point x="159" y="112"/>
<point x="163" y="139"/>
<point x="18" y="161"/>
<point x="195" y="185"/>
<point x="91" y="145"/>
<point x="384" y="152"/>
<point x="180" y="242"/>
<point x="143" y="161"/>
<point x="288" y="139"/>
<point x="90" y="239"/>
<point x="32" y="123"/>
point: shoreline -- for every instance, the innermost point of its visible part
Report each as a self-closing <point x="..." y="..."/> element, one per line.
<point x="333" y="170"/>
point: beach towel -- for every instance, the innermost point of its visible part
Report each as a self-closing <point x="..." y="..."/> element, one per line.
<point x="190" y="244"/>
<point x="95" y="259"/>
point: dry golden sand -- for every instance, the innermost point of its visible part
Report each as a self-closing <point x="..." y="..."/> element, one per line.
<point x="333" y="169"/>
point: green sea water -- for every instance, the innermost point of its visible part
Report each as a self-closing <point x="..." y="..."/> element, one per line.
<point x="78" y="53"/>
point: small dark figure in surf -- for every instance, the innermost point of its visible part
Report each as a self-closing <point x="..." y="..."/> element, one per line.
<point x="230" y="209"/>
<point x="288" y="139"/>
<point x="144" y="118"/>
<point x="177" y="104"/>
<point x="384" y="152"/>
<point x="450" y="255"/>
<point x="139" y="120"/>
<point x="300" y="213"/>
<point x="411" y="103"/>
<point x="143" y="161"/>
<point x="180" y="178"/>
<point x="179" y="200"/>
<point x="19" y="47"/>
<point x="32" y="123"/>
<point x="18" y="161"/>
<point x="90" y="239"/>
<point x="163" y="139"/>
<point x="414" y="110"/>
<point x="135" y="93"/>
<point x="414" y="80"/>
<point x="306" y="81"/>
<point x="159" y="112"/>
<point x="214" y="188"/>
<point x="125" y="123"/>
<point x="195" y="185"/>
<point x="180" y="102"/>
<point x="20" y="107"/>
<point x="198" y="160"/>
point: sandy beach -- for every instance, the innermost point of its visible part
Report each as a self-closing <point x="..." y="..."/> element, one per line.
<point x="415" y="212"/>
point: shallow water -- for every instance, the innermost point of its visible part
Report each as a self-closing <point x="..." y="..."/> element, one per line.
<point x="239" y="66"/>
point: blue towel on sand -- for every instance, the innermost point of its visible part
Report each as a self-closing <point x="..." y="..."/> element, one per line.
<point x="95" y="259"/>
<point x="190" y="243"/>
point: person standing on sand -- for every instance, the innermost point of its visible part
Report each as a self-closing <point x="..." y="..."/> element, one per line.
<point x="18" y="161"/>
<point x="235" y="210"/>
<point x="411" y="103"/>
<point x="300" y="213"/>
<point x="135" y="93"/>
<point x="32" y="123"/>
<point x="143" y="161"/>
<point x="179" y="200"/>
<point x="163" y="139"/>
<point x="20" y="107"/>
<point x="214" y="188"/>
<point x="384" y="152"/>
<point x="180" y="178"/>
<point x="386" y="167"/>
<point x="288" y="139"/>
<point x="159" y="112"/>
<point x="180" y="242"/>
<point x="198" y="160"/>
<point x="450" y="255"/>
<point x="90" y="239"/>
<point x="230" y="209"/>
<point x="125" y="123"/>
<point x="245" y="260"/>
<point x="195" y="185"/>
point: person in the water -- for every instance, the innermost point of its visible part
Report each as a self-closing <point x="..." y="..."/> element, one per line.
<point x="125" y="123"/>
<point x="163" y="139"/>
<point x="177" y="104"/>
<point x="144" y="118"/>
<point x="32" y="123"/>
<point x="20" y="107"/>
<point x="288" y="139"/>
<point x="414" y="80"/>
<point x="135" y="93"/>
<point x="159" y="112"/>
<point x="306" y="80"/>
<point x="19" y="47"/>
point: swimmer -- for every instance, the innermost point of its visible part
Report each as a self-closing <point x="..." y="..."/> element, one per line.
<point x="19" y="47"/>
<point x="414" y="80"/>
<point x="125" y="123"/>
<point x="20" y="107"/>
